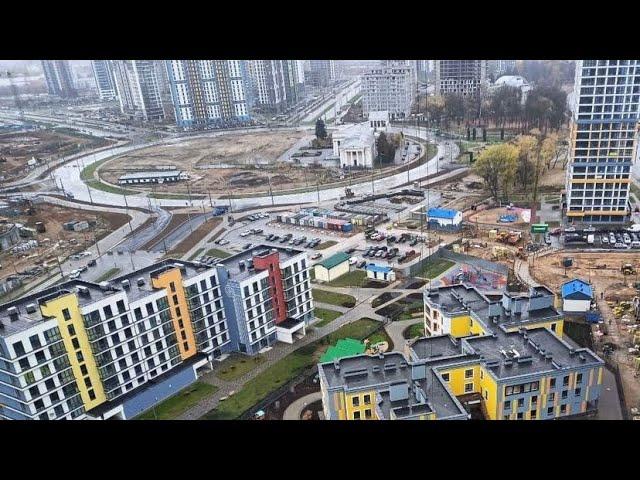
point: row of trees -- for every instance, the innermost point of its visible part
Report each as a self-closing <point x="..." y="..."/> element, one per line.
<point x="386" y="145"/>
<point x="545" y="108"/>
<point x="520" y="164"/>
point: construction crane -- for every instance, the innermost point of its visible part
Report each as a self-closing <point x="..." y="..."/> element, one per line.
<point x="16" y="96"/>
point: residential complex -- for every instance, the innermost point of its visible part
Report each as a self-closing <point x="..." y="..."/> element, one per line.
<point x="209" y="93"/>
<point x="105" y="82"/>
<point x="139" y="89"/>
<point x="604" y="128"/>
<point x="505" y="352"/>
<point x="390" y="87"/>
<point x="275" y="84"/>
<point x="463" y="77"/>
<point x="322" y="72"/>
<point x="57" y="74"/>
<point x="81" y="350"/>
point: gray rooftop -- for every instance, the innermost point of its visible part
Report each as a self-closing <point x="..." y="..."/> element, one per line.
<point x="95" y="293"/>
<point x="232" y="263"/>
<point x="386" y="372"/>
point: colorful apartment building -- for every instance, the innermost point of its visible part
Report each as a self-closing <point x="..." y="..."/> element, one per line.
<point x="505" y="354"/>
<point x="82" y="350"/>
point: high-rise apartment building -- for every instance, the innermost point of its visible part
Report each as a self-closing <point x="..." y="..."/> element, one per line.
<point x="322" y="72"/>
<point x="390" y="87"/>
<point x="275" y="84"/>
<point x="463" y="77"/>
<point x="604" y="130"/>
<point x="82" y="350"/>
<point x="209" y="93"/>
<point x="59" y="79"/>
<point x="139" y="89"/>
<point x="105" y="82"/>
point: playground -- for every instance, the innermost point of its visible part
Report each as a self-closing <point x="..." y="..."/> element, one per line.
<point x="481" y="278"/>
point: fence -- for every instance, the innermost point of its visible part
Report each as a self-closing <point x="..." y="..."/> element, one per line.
<point x="613" y="368"/>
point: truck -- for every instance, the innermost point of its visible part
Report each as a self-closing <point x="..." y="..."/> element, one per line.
<point x="591" y="238"/>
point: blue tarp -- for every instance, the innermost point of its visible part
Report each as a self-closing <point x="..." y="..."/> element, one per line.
<point x="577" y="289"/>
<point x="442" y="213"/>
<point x="378" y="268"/>
<point x="507" y="218"/>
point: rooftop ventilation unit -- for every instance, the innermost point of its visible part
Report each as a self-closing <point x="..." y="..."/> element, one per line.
<point x="105" y="285"/>
<point x="82" y="290"/>
<point x="125" y="284"/>
<point x="389" y="366"/>
<point x="508" y="363"/>
<point x="375" y="369"/>
<point x="31" y="308"/>
<point x="404" y="364"/>
<point x="140" y="281"/>
<point x="241" y="265"/>
<point x="120" y="252"/>
<point x="582" y="358"/>
<point x="13" y="313"/>
<point x="525" y="359"/>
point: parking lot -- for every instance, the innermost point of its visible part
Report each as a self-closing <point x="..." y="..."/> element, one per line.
<point x="606" y="239"/>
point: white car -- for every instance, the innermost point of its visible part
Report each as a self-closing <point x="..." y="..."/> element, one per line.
<point x="86" y="254"/>
<point x="605" y="239"/>
<point x="223" y="242"/>
<point x="74" y="274"/>
<point x="245" y="233"/>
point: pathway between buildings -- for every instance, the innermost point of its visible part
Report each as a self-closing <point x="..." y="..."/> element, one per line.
<point x="294" y="411"/>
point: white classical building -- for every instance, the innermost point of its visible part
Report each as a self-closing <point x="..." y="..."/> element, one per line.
<point x="515" y="81"/>
<point x="355" y="145"/>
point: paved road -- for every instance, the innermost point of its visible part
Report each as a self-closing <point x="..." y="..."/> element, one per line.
<point x="294" y="411"/>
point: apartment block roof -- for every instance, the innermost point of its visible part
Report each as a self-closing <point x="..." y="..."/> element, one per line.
<point x="239" y="273"/>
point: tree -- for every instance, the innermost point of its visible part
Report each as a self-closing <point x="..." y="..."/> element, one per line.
<point x="386" y="149"/>
<point x="497" y="166"/>
<point x="549" y="150"/>
<point x="526" y="146"/>
<point x="321" y="131"/>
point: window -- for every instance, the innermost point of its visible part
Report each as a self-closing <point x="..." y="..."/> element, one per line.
<point x="72" y="330"/>
<point x="564" y="394"/>
<point x="552" y="383"/>
<point x="355" y="401"/>
<point x="172" y="285"/>
<point x="66" y="314"/>
<point x="565" y="381"/>
<point x="521" y="402"/>
<point x="367" y="413"/>
<point x="75" y="343"/>
<point x="552" y="396"/>
<point x="550" y="411"/>
<point x="520" y="416"/>
<point x="445" y="377"/>
<point x="534" y="399"/>
<point x="87" y="382"/>
<point x="578" y="379"/>
<point x="507" y="404"/>
<point x="35" y="341"/>
<point x="468" y="373"/>
<point x="79" y="357"/>
<point x="563" y="408"/>
<point x="534" y="414"/>
<point x="367" y="399"/>
<point x="578" y="392"/>
<point x="356" y="415"/>
<point x="92" y="394"/>
<point x="18" y="348"/>
<point x="468" y="387"/>
<point x="83" y="369"/>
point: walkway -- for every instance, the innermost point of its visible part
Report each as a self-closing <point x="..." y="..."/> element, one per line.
<point x="294" y="411"/>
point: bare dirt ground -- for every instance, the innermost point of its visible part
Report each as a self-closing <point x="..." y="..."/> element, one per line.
<point x="60" y="242"/>
<point x="611" y="287"/>
<point x="227" y="165"/>
<point x="491" y="216"/>
<point x="18" y="148"/>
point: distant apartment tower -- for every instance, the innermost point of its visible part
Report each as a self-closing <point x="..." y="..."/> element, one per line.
<point x="209" y="93"/>
<point x="464" y="77"/>
<point x="105" y="82"/>
<point x="502" y="67"/>
<point x="138" y="89"/>
<point x="275" y="84"/>
<point x="390" y="87"/>
<point x="57" y="74"/>
<point x="604" y="128"/>
<point x="322" y="72"/>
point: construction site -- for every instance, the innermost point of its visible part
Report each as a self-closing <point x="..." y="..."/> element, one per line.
<point x="46" y="235"/>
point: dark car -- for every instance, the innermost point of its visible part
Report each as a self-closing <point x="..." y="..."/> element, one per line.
<point x="350" y="250"/>
<point x="362" y="264"/>
<point x="246" y="246"/>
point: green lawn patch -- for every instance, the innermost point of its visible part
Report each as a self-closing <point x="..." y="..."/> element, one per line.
<point x="326" y="316"/>
<point x="433" y="268"/>
<point x="112" y="272"/>
<point x="236" y="365"/>
<point x="216" y="252"/>
<point x="351" y="279"/>
<point x="333" y="298"/>
<point x="380" y="336"/>
<point x="414" y="331"/>
<point x="196" y="253"/>
<point x="286" y="369"/>
<point x="173" y="406"/>
<point x="327" y="244"/>
<point x="98" y="185"/>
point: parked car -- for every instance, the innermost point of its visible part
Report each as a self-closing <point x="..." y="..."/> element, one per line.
<point x="247" y="246"/>
<point x="316" y="256"/>
<point x="353" y="261"/>
<point x="379" y="253"/>
<point x="620" y="245"/>
<point x="605" y="239"/>
<point x="224" y="242"/>
<point x="245" y="233"/>
<point x="362" y="264"/>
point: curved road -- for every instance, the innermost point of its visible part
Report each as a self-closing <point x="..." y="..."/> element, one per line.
<point x="68" y="176"/>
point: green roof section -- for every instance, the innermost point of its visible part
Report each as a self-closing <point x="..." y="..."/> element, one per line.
<point x="334" y="260"/>
<point x="346" y="347"/>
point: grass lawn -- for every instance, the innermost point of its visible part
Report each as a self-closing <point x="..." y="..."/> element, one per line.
<point x="98" y="185"/>
<point x="413" y="331"/>
<point x="333" y="298"/>
<point x="286" y="369"/>
<point x="216" y="252"/>
<point x="433" y="268"/>
<point x="381" y="336"/>
<point x="112" y="272"/>
<point x="351" y="279"/>
<point x="409" y="310"/>
<point x="236" y="365"/>
<point x="325" y="316"/>
<point x="196" y="254"/>
<point x="172" y="407"/>
<point x="327" y="244"/>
